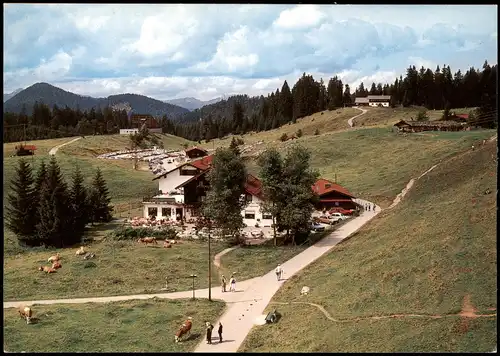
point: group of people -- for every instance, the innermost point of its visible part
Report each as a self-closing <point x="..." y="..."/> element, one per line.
<point x="232" y="283"/>
<point x="210" y="328"/>
<point x="369" y="207"/>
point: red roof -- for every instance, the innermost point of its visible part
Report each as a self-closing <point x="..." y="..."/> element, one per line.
<point x="323" y="186"/>
<point x="196" y="149"/>
<point x="202" y="163"/>
<point x="27" y="147"/>
<point x="463" y="116"/>
<point x="253" y="186"/>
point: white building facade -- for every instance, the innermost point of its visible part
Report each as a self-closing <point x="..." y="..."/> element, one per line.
<point x="252" y="213"/>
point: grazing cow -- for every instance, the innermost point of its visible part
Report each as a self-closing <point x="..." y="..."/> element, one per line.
<point x="80" y="251"/>
<point x="25" y="313"/>
<point x="184" y="330"/>
<point x="166" y="244"/>
<point x="56" y="265"/>
<point x="54" y="258"/>
<point x="148" y="240"/>
<point x="47" y="269"/>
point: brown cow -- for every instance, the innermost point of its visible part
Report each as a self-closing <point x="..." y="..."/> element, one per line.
<point x="56" y="265"/>
<point x="54" y="258"/>
<point x="147" y="240"/>
<point x="166" y="244"/>
<point x="47" y="269"/>
<point x="25" y="313"/>
<point x="184" y="330"/>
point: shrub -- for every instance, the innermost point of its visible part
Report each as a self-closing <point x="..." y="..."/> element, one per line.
<point x="316" y="132"/>
<point x="422" y="115"/>
<point x="299" y="133"/>
<point x="89" y="264"/>
<point x="239" y="141"/>
<point x="129" y="233"/>
<point x="284" y="137"/>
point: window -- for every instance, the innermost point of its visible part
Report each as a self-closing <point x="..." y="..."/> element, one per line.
<point x="248" y="198"/>
<point x="166" y="211"/>
<point x="267" y="217"/>
<point x="249" y="214"/>
<point x="152" y="212"/>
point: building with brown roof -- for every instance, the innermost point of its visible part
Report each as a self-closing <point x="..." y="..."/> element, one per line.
<point x="374" y="101"/>
<point x="332" y="195"/>
<point x="419" y="126"/>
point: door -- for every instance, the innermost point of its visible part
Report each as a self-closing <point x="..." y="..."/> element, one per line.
<point x="178" y="214"/>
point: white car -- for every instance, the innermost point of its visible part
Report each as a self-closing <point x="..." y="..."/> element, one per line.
<point x="339" y="216"/>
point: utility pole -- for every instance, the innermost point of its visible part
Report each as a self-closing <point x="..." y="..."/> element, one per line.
<point x="193" y="276"/>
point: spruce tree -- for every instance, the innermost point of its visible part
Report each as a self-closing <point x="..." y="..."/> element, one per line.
<point x="41" y="175"/>
<point x="18" y="217"/>
<point x="78" y="204"/>
<point x="101" y="210"/>
<point x="54" y="226"/>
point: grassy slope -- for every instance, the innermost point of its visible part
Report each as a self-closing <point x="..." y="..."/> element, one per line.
<point x="133" y="326"/>
<point x="424" y="256"/>
<point x="123" y="268"/>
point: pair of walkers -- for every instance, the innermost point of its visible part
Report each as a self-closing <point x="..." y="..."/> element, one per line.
<point x="210" y="327"/>
<point x="232" y="283"/>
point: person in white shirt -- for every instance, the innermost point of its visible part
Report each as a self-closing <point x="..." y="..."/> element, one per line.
<point x="279" y="272"/>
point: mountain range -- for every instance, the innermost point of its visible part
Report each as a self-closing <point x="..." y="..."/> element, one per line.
<point x="192" y="103"/>
<point x="51" y="95"/>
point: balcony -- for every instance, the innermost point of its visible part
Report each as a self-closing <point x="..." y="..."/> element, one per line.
<point x="165" y="199"/>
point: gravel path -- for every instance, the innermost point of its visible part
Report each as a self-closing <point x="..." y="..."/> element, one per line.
<point x="351" y="122"/>
<point x="54" y="150"/>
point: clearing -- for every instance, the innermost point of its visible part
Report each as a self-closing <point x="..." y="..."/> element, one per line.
<point x="132" y="326"/>
<point x="433" y="255"/>
<point x="119" y="268"/>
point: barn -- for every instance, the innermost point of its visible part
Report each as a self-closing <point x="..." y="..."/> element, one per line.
<point x="420" y="126"/>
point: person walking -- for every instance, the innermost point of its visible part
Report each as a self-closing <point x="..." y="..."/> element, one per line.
<point x="220" y="331"/>
<point x="278" y="271"/>
<point x="224" y="283"/>
<point x="232" y="281"/>
<point x="210" y="327"/>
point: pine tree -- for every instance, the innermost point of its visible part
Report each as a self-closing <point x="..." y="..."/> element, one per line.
<point x="79" y="205"/>
<point x="18" y="217"/>
<point x="234" y="146"/>
<point x="100" y="208"/>
<point x="54" y="225"/>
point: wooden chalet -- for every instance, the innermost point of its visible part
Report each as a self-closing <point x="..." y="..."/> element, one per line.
<point x="332" y="195"/>
<point x="136" y="121"/>
<point x="419" y="126"/>
<point x="196" y="152"/>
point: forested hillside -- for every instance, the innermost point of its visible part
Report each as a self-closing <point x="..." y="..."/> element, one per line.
<point x="438" y="89"/>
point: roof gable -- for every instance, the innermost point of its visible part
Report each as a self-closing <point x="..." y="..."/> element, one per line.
<point x="253" y="186"/>
<point x="323" y="186"/>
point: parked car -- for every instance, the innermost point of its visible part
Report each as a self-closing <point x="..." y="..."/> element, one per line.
<point x="342" y="211"/>
<point x="317" y="227"/>
<point x="330" y="220"/>
<point x="338" y="216"/>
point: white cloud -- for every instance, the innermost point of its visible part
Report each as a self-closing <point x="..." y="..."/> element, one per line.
<point x="299" y="17"/>
<point x="206" y="50"/>
<point x="421" y="62"/>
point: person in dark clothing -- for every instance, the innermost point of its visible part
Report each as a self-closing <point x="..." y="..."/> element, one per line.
<point x="220" y="332"/>
<point x="210" y="327"/>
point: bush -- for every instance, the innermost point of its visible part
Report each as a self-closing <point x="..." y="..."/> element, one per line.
<point x="239" y="141"/>
<point x="316" y="132"/>
<point x="422" y="115"/>
<point x="284" y="137"/>
<point x="299" y="133"/>
<point x="129" y="233"/>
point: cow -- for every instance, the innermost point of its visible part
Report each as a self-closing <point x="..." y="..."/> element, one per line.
<point x="25" y="313"/>
<point x="167" y="244"/>
<point x="184" y="330"/>
<point x="147" y="240"/>
<point x="47" y="269"/>
<point x="80" y="251"/>
<point x="56" y="265"/>
<point x="54" y="258"/>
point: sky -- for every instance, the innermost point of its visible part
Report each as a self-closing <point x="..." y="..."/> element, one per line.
<point x="205" y="51"/>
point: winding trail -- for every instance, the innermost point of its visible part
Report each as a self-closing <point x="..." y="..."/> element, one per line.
<point x="350" y="122"/>
<point x="391" y="316"/>
<point x="54" y="150"/>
